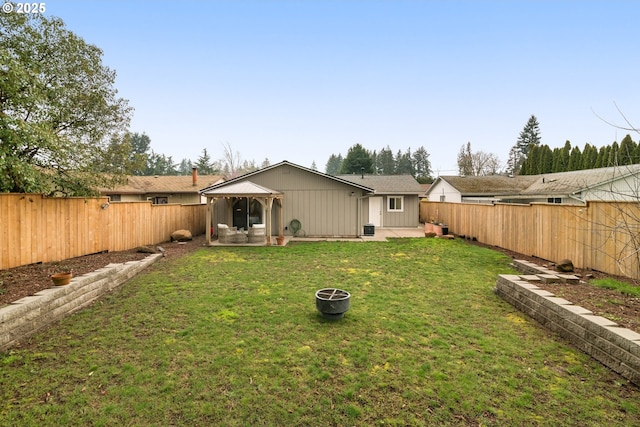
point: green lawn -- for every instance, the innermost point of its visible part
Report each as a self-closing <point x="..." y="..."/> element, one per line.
<point x="231" y="337"/>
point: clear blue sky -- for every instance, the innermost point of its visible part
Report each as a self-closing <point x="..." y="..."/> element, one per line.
<point x="301" y="80"/>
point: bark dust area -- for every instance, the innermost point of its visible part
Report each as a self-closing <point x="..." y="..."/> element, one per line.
<point x="19" y="282"/>
<point x="612" y="304"/>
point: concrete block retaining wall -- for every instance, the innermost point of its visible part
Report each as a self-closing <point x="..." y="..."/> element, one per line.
<point x="615" y="347"/>
<point x="28" y="315"/>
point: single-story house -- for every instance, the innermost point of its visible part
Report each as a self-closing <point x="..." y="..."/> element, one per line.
<point x="290" y="199"/>
<point x="163" y="189"/>
<point x="619" y="183"/>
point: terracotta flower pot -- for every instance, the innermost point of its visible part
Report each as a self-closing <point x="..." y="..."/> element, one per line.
<point x="60" y="279"/>
<point x="280" y="240"/>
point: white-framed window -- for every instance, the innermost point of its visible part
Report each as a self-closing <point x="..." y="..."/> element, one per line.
<point x="395" y="204"/>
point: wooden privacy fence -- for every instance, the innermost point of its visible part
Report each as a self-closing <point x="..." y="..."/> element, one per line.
<point x="603" y="236"/>
<point x="34" y="228"/>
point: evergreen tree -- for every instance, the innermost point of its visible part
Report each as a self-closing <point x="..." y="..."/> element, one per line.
<point x="575" y="159"/>
<point x="465" y="160"/>
<point x="561" y="158"/>
<point x="601" y="158"/>
<point x="334" y="164"/>
<point x="636" y="154"/>
<point x="422" y="165"/>
<point x="528" y="138"/>
<point x="513" y="161"/>
<point x="613" y="154"/>
<point x="626" y="151"/>
<point x="357" y="160"/>
<point x="404" y="163"/>
<point x="204" y="163"/>
<point x="531" y="165"/>
<point x="557" y="154"/>
<point x="374" y="162"/>
<point x="159" y="164"/>
<point x="546" y="163"/>
<point x="140" y="146"/>
<point x="185" y="167"/>
<point x="385" y="163"/>
<point x="589" y="157"/>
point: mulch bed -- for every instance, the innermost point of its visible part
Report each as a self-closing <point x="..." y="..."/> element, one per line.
<point x="16" y="283"/>
<point x="620" y="308"/>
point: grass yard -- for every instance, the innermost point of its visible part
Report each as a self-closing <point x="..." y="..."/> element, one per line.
<point x="231" y="337"/>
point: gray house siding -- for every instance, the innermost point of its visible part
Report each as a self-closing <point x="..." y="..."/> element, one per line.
<point x="409" y="217"/>
<point x="322" y="212"/>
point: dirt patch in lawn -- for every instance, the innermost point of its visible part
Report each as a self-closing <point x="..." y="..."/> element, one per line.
<point x="19" y="282"/>
<point x="16" y="283"/>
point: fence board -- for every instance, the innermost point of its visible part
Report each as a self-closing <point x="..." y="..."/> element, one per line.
<point x="604" y="236"/>
<point x="34" y="228"/>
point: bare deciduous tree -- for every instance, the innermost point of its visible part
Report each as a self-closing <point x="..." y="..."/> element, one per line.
<point x="477" y="163"/>
<point x="231" y="160"/>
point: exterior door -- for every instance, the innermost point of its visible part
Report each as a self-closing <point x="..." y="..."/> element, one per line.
<point x="375" y="211"/>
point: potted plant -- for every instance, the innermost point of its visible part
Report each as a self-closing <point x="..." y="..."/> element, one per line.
<point x="433" y="227"/>
<point x="60" y="279"/>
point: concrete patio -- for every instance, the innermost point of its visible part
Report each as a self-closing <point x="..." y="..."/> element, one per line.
<point x="380" y="235"/>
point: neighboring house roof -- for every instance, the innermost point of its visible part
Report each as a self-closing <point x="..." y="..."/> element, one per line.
<point x="545" y="185"/>
<point x="487" y="185"/>
<point x="387" y="184"/>
<point x="283" y="163"/>
<point x="578" y="181"/>
<point x="163" y="184"/>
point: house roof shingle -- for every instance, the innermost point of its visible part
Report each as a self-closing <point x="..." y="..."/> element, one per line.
<point x="578" y="181"/>
<point x="488" y="185"/>
<point x="163" y="184"/>
<point x="551" y="184"/>
<point x="285" y="163"/>
<point x="386" y="184"/>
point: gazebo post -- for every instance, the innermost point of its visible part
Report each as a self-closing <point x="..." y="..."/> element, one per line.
<point x="209" y="219"/>
<point x="280" y="218"/>
<point x="268" y="219"/>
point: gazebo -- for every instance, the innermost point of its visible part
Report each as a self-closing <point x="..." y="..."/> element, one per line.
<point x="247" y="204"/>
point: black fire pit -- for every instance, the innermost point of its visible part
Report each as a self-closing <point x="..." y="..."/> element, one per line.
<point x="332" y="303"/>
